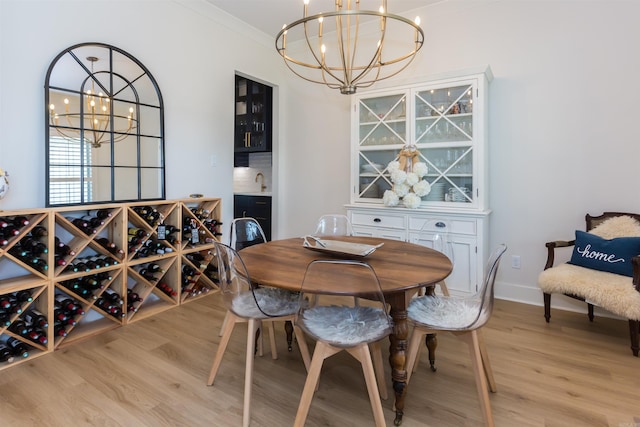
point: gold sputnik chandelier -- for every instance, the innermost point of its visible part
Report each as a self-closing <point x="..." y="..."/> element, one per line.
<point x="94" y="120"/>
<point x="347" y="48"/>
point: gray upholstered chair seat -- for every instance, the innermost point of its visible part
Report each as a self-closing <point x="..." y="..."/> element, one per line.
<point x="448" y="313"/>
<point x="273" y="302"/>
<point x="346" y="326"/>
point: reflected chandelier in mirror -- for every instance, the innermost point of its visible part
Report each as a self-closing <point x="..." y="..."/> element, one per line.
<point x="104" y="128"/>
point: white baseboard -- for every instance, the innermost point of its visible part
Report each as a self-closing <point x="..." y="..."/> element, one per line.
<point x="533" y="296"/>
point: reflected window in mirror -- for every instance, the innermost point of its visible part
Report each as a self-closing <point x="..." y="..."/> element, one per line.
<point x="104" y="128"/>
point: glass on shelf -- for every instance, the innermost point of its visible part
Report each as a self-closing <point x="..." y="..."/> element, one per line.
<point x="385" y="108"/>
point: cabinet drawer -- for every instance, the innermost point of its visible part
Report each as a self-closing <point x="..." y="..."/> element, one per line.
<point x="442" y="224"/>
<point x="377" y="220"/>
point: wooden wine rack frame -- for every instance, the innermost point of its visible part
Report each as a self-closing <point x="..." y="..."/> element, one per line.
<point x="43" y="285"/>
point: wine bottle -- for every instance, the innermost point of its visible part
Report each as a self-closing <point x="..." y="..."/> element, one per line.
<point x="100" y="213"/>
<point x="36" y="318"/>
<point x="112" y="296"/>
<point x="133" y="296"/>
<point x="23" y="296"/>
<point x="5" y="303"/>
<point x="108" y="245"/>
<point x="3" y="222"/>
<point x="35" y="246"/>
<point x="5" y="318"/>
<point x="102" y="276"/>
<point x="78" y="222"/>
<point x="20" y="221"/>
<point x="19" y="327"/>
<point x="17" y="347"/>
<point x="6" y="355"/>
<point x="72" y="306"/>
<point x="148" y="275"/>
<point x="93" y="221"/>
<point x="38" y="335"/>
<point x="16" y="307"/>
<point x="9" y="232"/>
<point x="60" y="329"/>
<point x="39" y="231"/>
<point x="63" y="249"/>
<point x="138" y="232"/>
<point x="168" y="290"/>
<point x="38" y="264"/>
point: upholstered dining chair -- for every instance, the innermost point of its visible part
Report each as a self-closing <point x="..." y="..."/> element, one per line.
<point x="464" y="317"/>
<point x="333" y="225"/>
<point x="337" y="323"/>
<point x="245" y="232"/>
<point x="246" y="303"/>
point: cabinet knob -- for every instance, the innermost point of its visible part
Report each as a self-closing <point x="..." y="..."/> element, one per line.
<point x="377" y="220"/>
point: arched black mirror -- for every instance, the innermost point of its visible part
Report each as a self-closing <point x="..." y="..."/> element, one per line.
<point x="104" y="128"/>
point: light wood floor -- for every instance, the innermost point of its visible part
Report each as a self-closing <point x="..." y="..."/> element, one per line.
<point x="153" y="373"/>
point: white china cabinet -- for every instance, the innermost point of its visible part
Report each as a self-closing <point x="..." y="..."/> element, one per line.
<point x="445" y="121"/>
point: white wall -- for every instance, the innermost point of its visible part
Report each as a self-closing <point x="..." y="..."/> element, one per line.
<point x="562" y="110"/>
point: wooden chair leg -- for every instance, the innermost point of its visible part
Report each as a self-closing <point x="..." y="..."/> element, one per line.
<point x="415" y="345"/>
<point x="444" y="288"/>
<point x="547" y="306"/>
<point x="224" y="323"/>
<point x="304" y="348"/>
<point x="272" y="338"/>
<point x="432" y="344"/>
<point x="485" y="363"/>
<point x="481" y="382"/>
<point x="634" y="332"/>
<point x="590" y="311"/>
<point x="376" y="352"/>
<point x="321" y="352"/>
<point x="361" y="353"/>
<point x="248" y="371"/>
<point x="226" y="335"/>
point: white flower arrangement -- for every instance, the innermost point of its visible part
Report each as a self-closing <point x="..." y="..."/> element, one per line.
<point x="408" y="183"/>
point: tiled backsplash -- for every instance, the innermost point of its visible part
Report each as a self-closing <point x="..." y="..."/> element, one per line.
<point x="244" y="179"/>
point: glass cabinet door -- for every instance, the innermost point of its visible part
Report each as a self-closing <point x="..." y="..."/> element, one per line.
<point x="443" y="121"/>
<point x="253" y="116"/>
<point x="382" y="131"/>
<point x="443" y="126"/>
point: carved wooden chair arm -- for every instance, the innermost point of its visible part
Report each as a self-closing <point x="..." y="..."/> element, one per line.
<point x="551" y="246"/>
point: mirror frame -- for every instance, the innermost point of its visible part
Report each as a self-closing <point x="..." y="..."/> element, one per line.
<point x="117" y="70"/>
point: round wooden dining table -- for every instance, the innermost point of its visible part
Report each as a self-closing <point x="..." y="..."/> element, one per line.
<point x="402" y="268"/>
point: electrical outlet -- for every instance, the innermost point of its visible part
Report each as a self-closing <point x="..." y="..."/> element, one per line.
<point x="515" y="261"/>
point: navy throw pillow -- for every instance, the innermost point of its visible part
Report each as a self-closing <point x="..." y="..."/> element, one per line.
<point x="612" y="255"/>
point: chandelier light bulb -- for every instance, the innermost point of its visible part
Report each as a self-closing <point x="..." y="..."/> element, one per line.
<point x="417" y="20"/>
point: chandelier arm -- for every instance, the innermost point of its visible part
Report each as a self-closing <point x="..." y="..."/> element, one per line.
<point x="341" y="50"/>
<point x="313" y="52"/>
<point x="288" y="64"/>
<point x="368" y="83"/>
<point x="376" y="56"/>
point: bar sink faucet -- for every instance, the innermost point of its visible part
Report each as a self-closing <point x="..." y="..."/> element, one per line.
<point x="262" y="186"/>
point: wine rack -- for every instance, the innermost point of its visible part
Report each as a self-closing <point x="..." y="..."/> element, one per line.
<point x="70" y="273"/>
